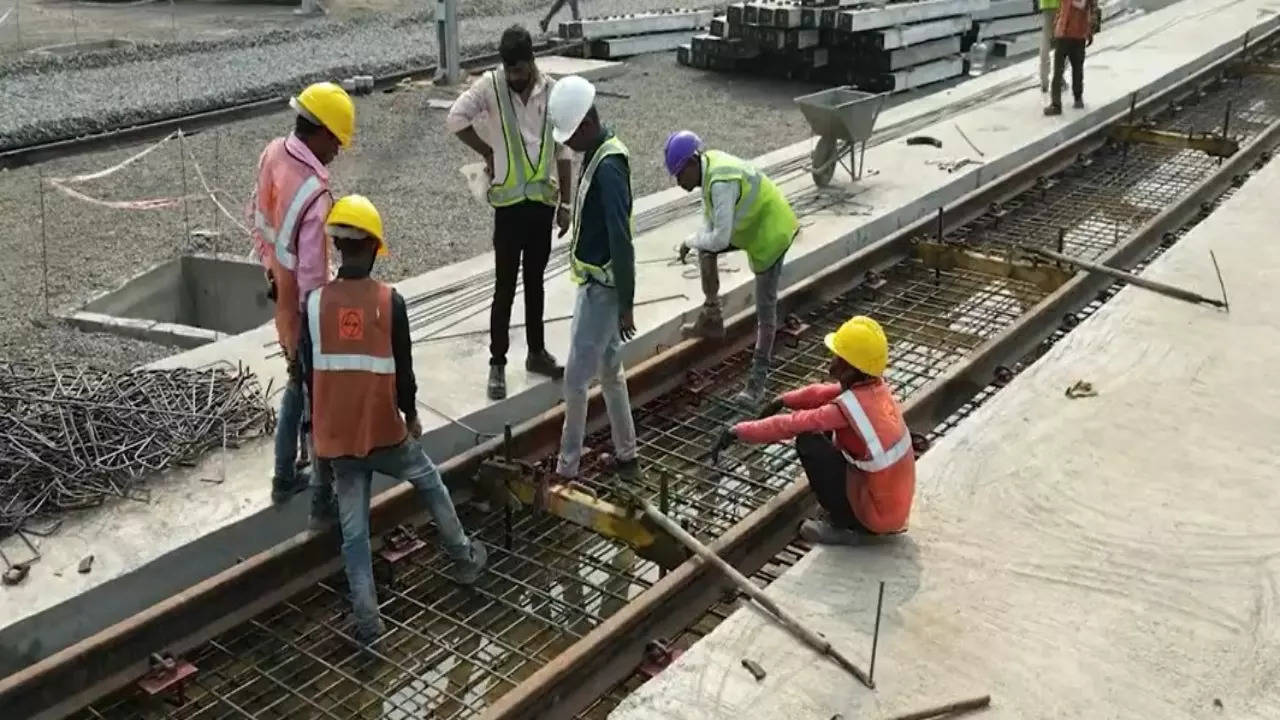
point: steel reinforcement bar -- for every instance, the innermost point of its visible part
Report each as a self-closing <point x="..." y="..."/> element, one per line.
<point x="270" y="632"/>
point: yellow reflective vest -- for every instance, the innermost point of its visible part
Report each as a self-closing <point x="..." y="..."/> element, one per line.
<point x="763" y="223"/>
<point x="580" y="272"/>
<point x="525" y="180"/>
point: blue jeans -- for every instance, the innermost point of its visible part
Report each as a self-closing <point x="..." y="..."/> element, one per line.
<point x="595" y="349"/>
<point x="352" y="477"/>
<point x="288" y="423"/>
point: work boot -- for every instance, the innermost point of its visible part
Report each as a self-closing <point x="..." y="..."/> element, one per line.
<point x="1053" y="110"/>
<point x="367" y="638"/>
<point x="467" y="573"/>
<point x="709" y="324"/>
<point x="544" y="363"/>
<point x="281" y="491"/>
<point x="628" y="470"/>
<point x="1078" y="103"/>
<point x="497" y="382"/>
<point x="752" y="394"/>
<point x="824" y="533"/>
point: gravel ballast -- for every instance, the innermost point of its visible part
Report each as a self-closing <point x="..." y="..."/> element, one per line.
<point x="402" y="158"/>
<point x="54" y="99"/>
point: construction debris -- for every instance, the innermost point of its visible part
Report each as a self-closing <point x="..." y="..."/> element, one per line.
<point x="754" y="668"/>
<point x="86" y="564"/>
<point x="76" y="435"/>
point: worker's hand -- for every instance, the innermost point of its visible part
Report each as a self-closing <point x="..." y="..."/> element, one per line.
<point x="772" y="408"/>
<point x="564" y="219"/>
<point x="727" y="438"/>
<point x="1088" y="41"/>
<point x="271" y="284"/>
<point x="415" y="427"/>
<point x="626" y="326"/>
<point x="683" y="250"/>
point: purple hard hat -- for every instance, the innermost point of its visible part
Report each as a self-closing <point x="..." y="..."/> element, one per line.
<point x="681" y="147"/>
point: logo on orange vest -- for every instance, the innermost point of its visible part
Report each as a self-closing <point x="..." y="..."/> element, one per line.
<point x="350" y="323"/>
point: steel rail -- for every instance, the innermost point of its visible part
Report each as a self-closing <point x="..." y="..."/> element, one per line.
<point x="77" y="675"/>
<point x="192" y="123"/>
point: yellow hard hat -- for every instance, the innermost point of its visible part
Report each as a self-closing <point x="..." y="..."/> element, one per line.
<point x="329" y="105"/>
<point x="354" y="216"/>
<point x="861" y="343"/>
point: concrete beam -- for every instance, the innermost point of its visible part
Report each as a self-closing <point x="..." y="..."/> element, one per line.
<point x="1005" y="8"/>
<point x="640" y="44"/>
<point x="1009" y="26"/>
<point x="907" y="35"/>
<point x="639" y="24"/>
<point x="904" y="13"/>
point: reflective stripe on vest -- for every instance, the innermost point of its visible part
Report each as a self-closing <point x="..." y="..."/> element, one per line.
<point x="524" y="180"/>
<point x="881" y="459"/>
<point x="580" y="272"/>
<point x="763" y="223"/>
<point x="321" y="360"/>
<point x="282" y="238"/>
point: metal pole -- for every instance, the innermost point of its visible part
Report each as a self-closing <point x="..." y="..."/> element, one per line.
<point x="875" y="636"/>
<point x="1152" y="285"/>
<point x="44" y="243"/>
<point x="810" y="638"/>
<point x="449" y="70"/>
<point x="949" y="709"/>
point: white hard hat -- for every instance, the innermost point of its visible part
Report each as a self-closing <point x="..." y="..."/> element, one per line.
<point x="571" y="98"/>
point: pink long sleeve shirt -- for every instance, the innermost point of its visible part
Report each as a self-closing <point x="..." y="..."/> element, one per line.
<point x="313" y="260"/>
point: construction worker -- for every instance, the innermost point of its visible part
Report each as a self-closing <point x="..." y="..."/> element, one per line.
<point x="503" y="117"/>
<point x="290" y="202"/>
<point x="555" y="8"/>
<point x="358" y="364"/>
<point x="742" y="210"/>
<point x="602" y="264"/>
<point x="1073" y="31"/>
<point x="1048" y="17"/>
<point x="851" y="439"/>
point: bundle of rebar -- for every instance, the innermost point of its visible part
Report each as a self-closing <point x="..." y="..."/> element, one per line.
<point x="72" y="436"/>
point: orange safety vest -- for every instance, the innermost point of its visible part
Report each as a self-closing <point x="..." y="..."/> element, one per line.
<point x="287" y="186"/>
<point x="353" y="380"/>
<point x="882" y="478"/>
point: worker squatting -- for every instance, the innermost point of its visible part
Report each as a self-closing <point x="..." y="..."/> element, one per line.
<point x="346" y="338"/>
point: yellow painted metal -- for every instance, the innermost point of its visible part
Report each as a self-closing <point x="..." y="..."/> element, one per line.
<point x="1207" y="143"/>
<point x="506" y="481"/>
<point x="945" y="257"/>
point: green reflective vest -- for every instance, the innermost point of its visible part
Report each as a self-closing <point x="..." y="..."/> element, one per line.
<point x="1049" y="4"/>
<point x="763" y="222"/>
<point x="580" y="272"/>
<point x="524" y="180"/>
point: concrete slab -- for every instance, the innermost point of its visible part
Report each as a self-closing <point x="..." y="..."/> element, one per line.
<point x="593" y="70"/>
<point x="192" y="530"/>
<point x="1111" y="557"/>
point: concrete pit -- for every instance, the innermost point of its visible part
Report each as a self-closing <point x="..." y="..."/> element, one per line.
<point x="186" y="302"/>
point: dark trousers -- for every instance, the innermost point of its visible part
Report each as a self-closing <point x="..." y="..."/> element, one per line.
<point x="522" y="230"/>
<point x="1067" y="50"/>
<point x="825" y="466"/>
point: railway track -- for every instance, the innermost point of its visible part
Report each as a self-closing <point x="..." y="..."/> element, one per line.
<point x="558" y="626"/>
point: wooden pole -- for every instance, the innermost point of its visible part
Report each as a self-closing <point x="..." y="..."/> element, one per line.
<point x="784" y="618"/>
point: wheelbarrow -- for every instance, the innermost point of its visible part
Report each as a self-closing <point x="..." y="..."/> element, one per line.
<point x="843" y="119"/>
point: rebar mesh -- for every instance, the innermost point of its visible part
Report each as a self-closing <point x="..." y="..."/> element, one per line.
<point x="451" y="651"/>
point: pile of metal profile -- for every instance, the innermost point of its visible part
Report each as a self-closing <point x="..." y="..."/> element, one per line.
<point x="564" y="612"/>
<point x="76" y="435"/>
